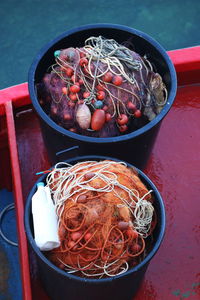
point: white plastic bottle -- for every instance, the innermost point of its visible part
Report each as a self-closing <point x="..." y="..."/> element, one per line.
<point x="45" y="221"/>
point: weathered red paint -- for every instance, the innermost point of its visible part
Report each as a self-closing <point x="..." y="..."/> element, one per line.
<point x="174" y="167"/>
<point x="19" y="207"/>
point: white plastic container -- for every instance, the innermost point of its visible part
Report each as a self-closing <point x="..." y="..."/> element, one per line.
<point x="45" y="221"/>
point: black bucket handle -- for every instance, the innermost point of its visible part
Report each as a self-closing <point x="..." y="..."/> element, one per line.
<point x="68" y="153"/>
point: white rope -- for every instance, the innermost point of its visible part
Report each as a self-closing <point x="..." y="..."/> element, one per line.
<point x="65" y="181"/>
<point x="107" y="55"/>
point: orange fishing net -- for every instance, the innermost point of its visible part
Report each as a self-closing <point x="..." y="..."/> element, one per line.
<point x="105" y="214"/>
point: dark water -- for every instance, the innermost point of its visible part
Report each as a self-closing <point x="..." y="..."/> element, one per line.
<point x="26" y="25"/>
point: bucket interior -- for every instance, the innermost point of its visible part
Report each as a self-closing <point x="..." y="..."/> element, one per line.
<point x="135" y="40"/>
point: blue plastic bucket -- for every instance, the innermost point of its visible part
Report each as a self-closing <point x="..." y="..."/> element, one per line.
<point x="61" y="285"/>
<point x="135" y="147"/>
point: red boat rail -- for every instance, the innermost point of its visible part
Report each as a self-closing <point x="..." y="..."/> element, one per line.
<point x="174" y="273"/>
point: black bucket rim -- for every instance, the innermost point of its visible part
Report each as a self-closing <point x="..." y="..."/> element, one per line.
<point x="84" y="138"/>
<point x="145" y="261"/>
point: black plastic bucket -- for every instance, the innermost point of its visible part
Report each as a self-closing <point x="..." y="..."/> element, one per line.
<point x="60" y="285"/>
<point x="135" y="147"/>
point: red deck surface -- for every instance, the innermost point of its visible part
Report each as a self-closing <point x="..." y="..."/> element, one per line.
<point x="174" y="167"/>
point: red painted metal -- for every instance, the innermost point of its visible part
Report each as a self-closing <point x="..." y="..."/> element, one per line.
<point x="187" y="64"/>
<point x="174" y="167"/>
<point x="186" y="59"/>
<point x="19" y="208"/>
<point x="174" y="273"/>
<point x="17" y="93"/>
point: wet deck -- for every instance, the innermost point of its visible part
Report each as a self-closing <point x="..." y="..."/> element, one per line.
<point x="174" y="272"/>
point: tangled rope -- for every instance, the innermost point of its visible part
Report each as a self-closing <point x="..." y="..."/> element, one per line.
<point x="102" y="75"/>
<point x="105" y="214"/>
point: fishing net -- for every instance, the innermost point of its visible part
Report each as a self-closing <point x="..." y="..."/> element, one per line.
<point x="106" y="218"/>
<point x="102" y="89"/>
